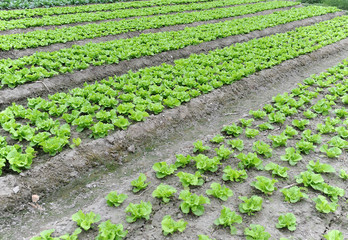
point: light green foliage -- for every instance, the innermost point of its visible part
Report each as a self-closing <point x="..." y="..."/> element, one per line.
<point x="162" y="169"/>
<point x="343" y="174"/>
<point x="320" y="167"/>
<point x="182" y="161"/>
<point x="325" y="128"/>
<point x="204" y="237"/>
<point x="262" y="148"/>
<point x="250" y="205"/>
<point x="264" y="184"/>
<point x="338" y="142"/>
<point x="234" y="175"/>
<point x="100" y="130"/>
<point x="198" y="147"/>
<point x="217" y="139"/>
<point x="341" y="112"/>
<point x="287" y="221"/>
<point x="300" y="124"/>
<point x="169" y="226"/>
<point x="228" y="218"/>
<point x="293" y="194"/>
<point x="268" y="108"/>
<point x="232" y="130"/>
<point x="277" y="170"/>
<point x="333" y="152"/>
<point x="114" y="199"/>
<point x="139" y="183"/>
<point x="265" y="126"/>
<point x="246" y="123"/>
<point x="309" y="114"/>
<point x="223" y="153"/>
<point x="332" y="121"/>
<point x="204" y="163"/>
<point x="290" y="131"/>
<point x="110" y="231"/>
<point x="305" y="146"/>
<point x="192" y="202"/>
<point x="256" y="232"/>
<point x="188" y="179"/>
<point x="18" y="160"/>
<point x="292" y="156"/>
<point x="85" y="220"/>
<point x="258" y="114"/>
<point x="54" y="145"/>
<point x="313" y="138"/>
<point x="323" y="206"/>
<point x="322" y="107"/>
<point x="138" y="211"/>
<point x="276" y="117"/>
<point x="218" y="191"/>
<point x="311" y="179"/>
<point x="278" y="140"/>
<point x="73" y="236"/>
<point x="251" y="133"/>
<point x="248" y="161"/>
<point x="76" y="142"/>
<point x="342" y="132"/>
<point x="45" y="235"/>
<point x="334" y="235"/>
<point x="237" y="144"/>
<point x="164" y="192"/>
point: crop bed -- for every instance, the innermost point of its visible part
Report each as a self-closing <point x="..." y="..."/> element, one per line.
<point x="56" y="132"/>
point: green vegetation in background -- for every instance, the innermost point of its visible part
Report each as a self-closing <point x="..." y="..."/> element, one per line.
<point x="342" y="4"/>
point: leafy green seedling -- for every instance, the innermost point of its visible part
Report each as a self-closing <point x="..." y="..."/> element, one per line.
<point x="164" y="192"/>
<point x="278" y="140"/>
<point x="114" y="199"/>
<point x="341" y="112"/>
<point x="311" y="179"/>
<point x="100" y="130"/>
<point x="223" y="153"/>
<point x="76" y="142"/>
<point x="268" y="108"/>
<point x="334" y="235"/>
<point x="258" y="114"/>
<point x="293" y="194"/>
<point x="110" y="231"/>
<point x="198" y="147"/>
<point x="182" y="161"/>
<point x="309" y="114"/>
<point x="332" y="121"/>
<point x="204" y="163"/>
<point x="73" y="236"/>
<point x="192" y="202"/>
<point x="320" y="167"/>
<point x="323" y="206"/>
<point x="331" y="191"/>
<point x="169" y="226"/>
<point x="338" y="142"/>
<point x="264" y="184"/>
<point x="228" y="218"/>
<point x="343" y="174"/>
<point x="232" y="130"/>
<point x="256" y="232"/>
<point x="325" y="128"/>
<point x="162" y="169"/>
<point x="237" y="144"/>
<point x="276" y="117"/>
<point x="292" y="156"/>
<point x="277" y="170"/>
<point x="342" y="132"/>
<point x="138" y="211"/>
<point x="262" y="148"/>
<point x="307" y="136"/>
<point x="139" y="183"/>
<point x="287" y="221"/>
<point x="246" y="123"/>
<point x="265" y="126"/>
<point x="305" y="147"/>
<point x="220" y="192"/>
<point x="204" y="237"/>
<point x="234" y="175"/>
<point x="300" y="124"/>
<point x="85" y="220"/>
<point x="249" y="161"/>
<point x="45" y="235"/>
<point x="290" y="131"/>
<point x="333" y="152"/>
<point x="217" y="139"/>
<point x="250" y="205"/>
<point x="251" y="133"/>
<point x="188" y="179"/>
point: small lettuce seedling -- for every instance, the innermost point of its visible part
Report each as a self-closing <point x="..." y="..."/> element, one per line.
<point x="220" y="192"/>
<point x="164" y="192"/>
<point x="332" y="121"/>
<point x="311" y="179"/>
<point x="264" y="184"/>
<point x="307" y="136"/>
<point x="228" y="218"/>
<point x="138" y="211"/>
<point x="276" y="117"/>
<point x="217" y="139"/>
<point x="262" y="148"/>
<point x="320" y="167"/>
<point x="192" y="202"/>
<point x="343" y="174"/>
<point x="45" y="235"/>
<point x="293" y="194"/>
<point x="188" y="179"/>
<point x="204" y="163"/>
<point x="234" y="175"/>
<point x="305" y="147"/>
<point x="198" y="147"/>
<point x="323" y="206"/>
<point x="100" y="130"/>
<point x="287" y="221"/>
<point x="182" y="161"/>
<point x="300" y="124"/>
<point x="290" y="131"/>
<point x="309" y="114"/>
<point x="341" y="112"/>
<point x="258" y="114"/>
<point x="114" y="199"/>
<point x="169" y="226"/>
<point x="251" y="133"/>
<point x="73" y="236"/>
<point x="268" y="108"/>
<point x="277" y="170"/>
<point x="85" y="220"/>
<point x="265" y="126"/>
<point x="333" y="152"/>
<point x="237" y="144"/>
<point x="342" y="132"/>
<point x="162" y="169"/>
<point x="223" y="153"/>
<point x="246" y="123"/>
<point x="249" y="161"/>
<point x="139" y="183"/>
<point x="292" y="156"/>
<point x="250" y="205"/>
<point x="334" y="235"/>
<point x="338" y="142"/>
<point x="256" y="232"/>
<point x="109" y="231"/>
<point x="232" y="130"/>
<point x="325" y="128"/>
<point x="278" y="140"/>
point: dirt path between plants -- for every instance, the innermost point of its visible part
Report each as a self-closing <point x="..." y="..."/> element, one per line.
<point x="92" y="74"/>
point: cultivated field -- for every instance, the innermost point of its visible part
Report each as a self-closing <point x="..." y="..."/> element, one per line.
<point x="174" y="119"/>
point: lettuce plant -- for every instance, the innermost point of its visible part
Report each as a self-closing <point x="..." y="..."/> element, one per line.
<point x="85" y="220"/>
<point x="293" y="194"/>
<point x="309" y="114"/>
<point x="287" y="221"/>
<point x="262" y="148"/>
<point x="276" y="117"/>
<point x="251" y="133"/>
<point x="236" y="143"/>
<point x="110" y="231"/>
<point x="228" y="218"/>
<point x="277" y="170"/>
<point x="18" y="160"/>
<point x="169" y="226"/>
<point x="164" y="192"/>
<point x="192" y="202"/>
<point x="290" y="131"/>
<point x="313" y="138"/>
<point x="331" y="191"/>
<point x="300" y="124"/>
<point x="232" y="130"/>
<point x="342" y="132"/>
<point x="204" y="237"/>
<point x="223" y="153"/>
<point x="268" y="108"/>
<point x="138" y="211"/>
<point x="198" y="147"/>
<point x="234" y="175"/>
<point x="341" y="112"/>
<point x="246" y="123"/>
<point x="258" y="114"/>
<point x="139" y="183"/>
<point x="162" y="169"/>
<point x="343" y="174"/>
<point x="265" y="126"/>
<point x="248" y="161"/>
<point x="278" y="140"/>
<point x="332" y="121"/>
<point x="204" y="163"/>
<point x="323" y="206"/>
<point x="325" y="128"/>
<point x="264" y="184"/>
<point x="100" y="130"/>
<point x="320" y="167"/>
<point x="218" y="191"/>
<point x="73" y="236"/>
<point x="256" y="232"/>
<point x="311" y="179"/>
<point x="83" y="122"/>
<point x="121" y="122"/>
<point x="336" y="141"/>
<point x="250" y="205"/>
<point x="305" y="146"/>
<point x="45" y="235"/>
<point x="114" y="199"/>
<point x="188" y="179"/>
<point x="217" y="139"/>
<point x="334" y="234"/>
<point x="292" y="156"/>
<point x="333" y="152"/>
<point x="182" y="161"/>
